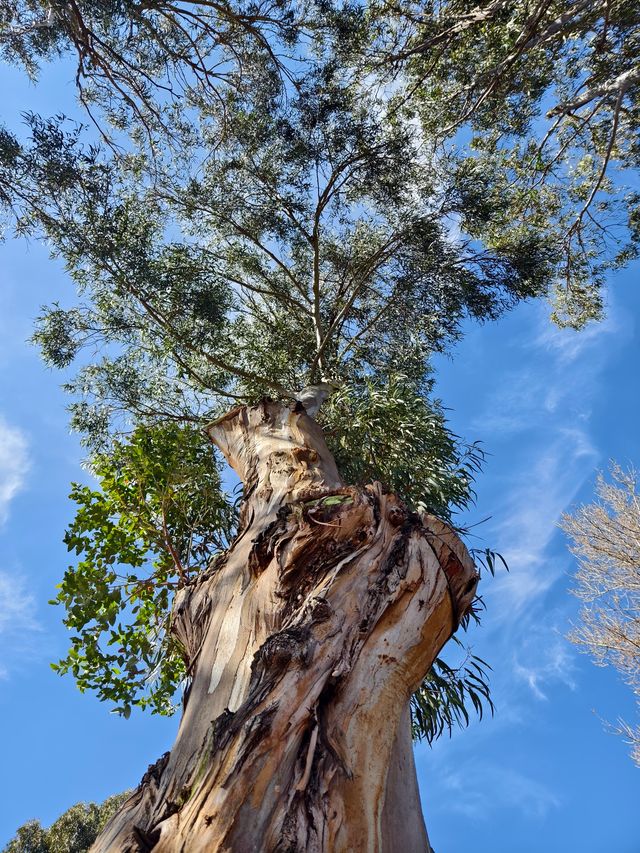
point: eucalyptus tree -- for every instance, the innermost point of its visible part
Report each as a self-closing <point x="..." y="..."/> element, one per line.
<point x="307" y="245"/>
<point x="278" y="197"/>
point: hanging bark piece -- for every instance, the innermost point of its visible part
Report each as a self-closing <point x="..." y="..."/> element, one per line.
<point x="305" y="643"/>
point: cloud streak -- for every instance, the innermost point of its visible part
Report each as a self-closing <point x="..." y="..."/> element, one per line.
<point x="14" y="465"/>
<point x="556" y="666"/>
<point x="534" y="499"/>
<point x="538" y="417"/>
<point x="479" y="790"/>
<point x="535" y="415"/>
<point x="18" y="623"/>
<point x="542" y="426"/>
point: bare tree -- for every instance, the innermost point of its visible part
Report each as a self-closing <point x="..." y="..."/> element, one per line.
<point x="605" y="537"/>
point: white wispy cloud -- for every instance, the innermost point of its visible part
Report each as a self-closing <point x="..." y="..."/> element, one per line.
<point x="557" y="379"/>
<point x="511" y="405"/>
<point x="18" y="624"/>
<point x="569" y="345"/>
<point x="537" y="416"/>
<point x="478" y="790"/>
<point x="545" y="429"/>
<point x="14" y="465"/>
<point x="535" y="421"/>
<point x="17" y="605"/>
<point x="539" y="672"/>
<point x="541" y="412"/>
<point x="533" y="502"/>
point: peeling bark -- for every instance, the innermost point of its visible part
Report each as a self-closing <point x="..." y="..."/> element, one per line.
<point x="305" y="643"/>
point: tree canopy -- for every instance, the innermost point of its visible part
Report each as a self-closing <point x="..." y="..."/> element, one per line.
<point x="271" y="194"/>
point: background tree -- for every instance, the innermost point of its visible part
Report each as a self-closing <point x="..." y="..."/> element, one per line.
<point x="289" y="195"/>
<point x="605" y="538"/>
<point x="73" y="832"/>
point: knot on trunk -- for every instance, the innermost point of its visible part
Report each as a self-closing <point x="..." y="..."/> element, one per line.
<point x="280" y="651"/>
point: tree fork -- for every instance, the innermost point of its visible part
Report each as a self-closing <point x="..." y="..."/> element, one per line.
<point x="304" y="644"/>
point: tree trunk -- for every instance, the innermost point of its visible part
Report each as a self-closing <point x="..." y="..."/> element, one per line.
<point x="305" y="642"/>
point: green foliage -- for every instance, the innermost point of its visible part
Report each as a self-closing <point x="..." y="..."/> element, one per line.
<point x="445" y="697"/>
<point x="312" y="243"/>
<point x="528" y="115"/>
<point x="135" y="61"/>
<point x="30" y="838"/>
<point x="73" y="832"/>
<point x="391" y="432"/>
<point x="158" y="517"/>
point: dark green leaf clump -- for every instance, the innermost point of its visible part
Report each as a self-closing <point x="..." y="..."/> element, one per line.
<point x="158" y="517"/>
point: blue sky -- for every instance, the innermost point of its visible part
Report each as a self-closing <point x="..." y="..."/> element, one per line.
<point x="551" y="407"/>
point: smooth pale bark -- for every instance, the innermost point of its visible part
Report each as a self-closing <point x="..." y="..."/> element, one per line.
<point x="304" y="644"/>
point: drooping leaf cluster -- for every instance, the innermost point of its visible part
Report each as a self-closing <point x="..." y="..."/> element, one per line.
<point x="405" y="444"/>
<point x="448" y="693"/>
<point x="454" y="689"/>
<point x="73" y="832"/>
